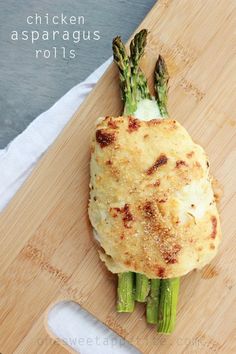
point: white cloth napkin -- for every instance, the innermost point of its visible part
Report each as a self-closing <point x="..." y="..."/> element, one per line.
<point x="66" y="320"/>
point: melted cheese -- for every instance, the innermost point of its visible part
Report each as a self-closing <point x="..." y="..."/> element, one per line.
<point x="194" y="200"/>
<point x="147" y="110"/>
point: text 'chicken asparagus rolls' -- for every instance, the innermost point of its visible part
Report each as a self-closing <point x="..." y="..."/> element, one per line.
<point x="151" y="205"/>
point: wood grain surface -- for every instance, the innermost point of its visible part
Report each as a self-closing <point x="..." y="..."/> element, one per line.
<point x="46" y="249"/>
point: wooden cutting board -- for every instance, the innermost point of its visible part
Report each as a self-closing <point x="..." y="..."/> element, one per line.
<point x="46" y="248"/>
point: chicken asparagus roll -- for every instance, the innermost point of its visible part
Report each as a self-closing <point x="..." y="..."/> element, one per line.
<point x="152" y="205"/>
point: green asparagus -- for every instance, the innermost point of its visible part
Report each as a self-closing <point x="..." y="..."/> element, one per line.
<point x="161" y="295"/>
<point x="161" y="79"/>
<point x="138" y="80"/>
<point x="125" y="292"/>
<point x="168" y="302"/>
<point x="142" y="287"/>
<point x="153" y="302"/>
<point x="169" y="287"/>
<point x="133" y="83"/>
<point x="133" y="88"/>
<point x="123" y="62"/>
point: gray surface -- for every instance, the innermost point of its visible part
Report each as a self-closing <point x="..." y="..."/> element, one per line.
<point x="29" y="86"/>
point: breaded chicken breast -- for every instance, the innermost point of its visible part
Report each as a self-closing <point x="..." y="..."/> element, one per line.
<point x="151" y="204"/>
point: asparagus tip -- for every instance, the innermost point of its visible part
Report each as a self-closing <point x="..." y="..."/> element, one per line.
<point x="161" y="69"/>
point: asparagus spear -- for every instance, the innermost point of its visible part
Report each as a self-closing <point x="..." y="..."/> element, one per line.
<point x="161" y="79"/>
<point x="122" y="60"/>
<point x="169" y="287"/>
<point x="138" y="80"/>
<point x="168" y="304"/>
<point x="142" y="283"/>
<point x="133" y="88"/>
<point x="153" y="302"/>
<point x="125" y="292"/>
<point x="141" y="91"/>
<point x="133" y="83"/>
<point x="142" y="287"/>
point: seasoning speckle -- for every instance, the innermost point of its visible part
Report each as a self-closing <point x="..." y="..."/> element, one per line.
<point x="190" y="154"/>
<point x="214" y="227"/>
<point x="148" y="210"/>
<point x="212" y="246"/>
<point x="170" y="257"/>
<point x="161" y="160"/>
<point x="127" y="215"/>
<point x="112" y="124"/>
<point x="157" y="183"/>
<point x="160" y="271"/>
<point x="180" y="163"/>
<point x="133" y="124"/>
<point x="108" y="162"/>
<point x="104" y="138"/>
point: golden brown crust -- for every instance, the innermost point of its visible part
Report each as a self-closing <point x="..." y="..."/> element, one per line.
<point x="217" y="189"/>
<point x="151" y="200"/>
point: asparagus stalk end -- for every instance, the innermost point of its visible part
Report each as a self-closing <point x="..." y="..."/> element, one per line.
<point x="142" y="287"/>
<point x="168" y="303"/>
<point x="125" y="292"/>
